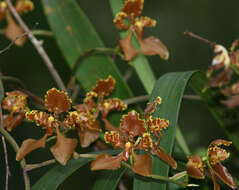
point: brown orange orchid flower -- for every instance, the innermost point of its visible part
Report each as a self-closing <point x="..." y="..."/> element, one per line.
<point x="220" y="62"/>
<point x="132" y="135"/>
<point x="12" y="30"/>
<point x="56" y="103"/>
<point x="215" y="155"/>
<point x="86" y="114"/>
<point x="129" y="19"/>
<point x="225" y="63"/>
<point x="16" y="104"/>
<point x="21" y="6"/>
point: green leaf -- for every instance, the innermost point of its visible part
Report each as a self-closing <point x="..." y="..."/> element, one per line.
<point x="170" y="87"/>
<point x="75" y="34"/>
<point x="55" y="176"/>
<point x="108" y="180"/>
<point x="227" y="118"/>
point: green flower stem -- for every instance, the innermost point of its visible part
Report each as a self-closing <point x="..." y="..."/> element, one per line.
<point x="15" y="147"/>
<point x="163" y="178"/>
<point x="145" y="98"/>
<point x="30" y="167"/>
<point x="158" y="177"/>
<point x="88" y="53"/>
<point x="128" y="74"/>
<point x="126" y="165"/>
<point x="94" y="51"/>
<point x="35" y="32"/>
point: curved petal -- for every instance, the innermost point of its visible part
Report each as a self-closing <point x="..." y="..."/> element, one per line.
<point x="10" y="122"/>
<point x="89" y="136"/>
<point x="133" y="7"/>
<point x="221" y="172"/>
<point x="215" y="184"/>
<point x="29" y="145"/>
<point x="106" y="162"/>
<point x="57" y="101"/>
<point x="142" y="164"/>
<point x="132" y="125"/>
<point x="195" y="167"/>
<point x="219" y="142"/>
<point x="64" y="148"/>
<point x="156" y="150"/>
<point x="112" y="104"/>
<point x="129" y="50"/>
<point x="104" y="87"/>
<point x="13" y="31"/>
<point x="153" y="46"/>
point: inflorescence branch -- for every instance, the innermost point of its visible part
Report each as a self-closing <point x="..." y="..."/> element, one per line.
<point x="37" y="45"/>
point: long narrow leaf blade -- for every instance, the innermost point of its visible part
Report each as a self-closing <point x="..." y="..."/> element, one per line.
<point x="170" y="87"/>
<point x="57" y="175"/>
<point x="109" y="180"/>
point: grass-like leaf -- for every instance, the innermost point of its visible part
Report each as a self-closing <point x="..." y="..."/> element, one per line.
<point x="54" y="177"/>
<point x="108" y="180"/>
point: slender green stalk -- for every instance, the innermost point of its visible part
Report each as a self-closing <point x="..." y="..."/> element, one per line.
<point x="100" y="50"/>
<point x="30" y="167"/>
<point x="128" y="74"/>
<point x="15" y="146"/>
<point x="158" y="177"/>
<point x="163" y="178"/>
<point x="136" y="99"/>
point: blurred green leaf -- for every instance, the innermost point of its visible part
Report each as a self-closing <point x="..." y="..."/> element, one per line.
<point x="227" y="118"/>
<point x="108" y="180"/>
<point x="75" y="34"/>
<point x="55" y="176"/>
<point x="170" y="88"/>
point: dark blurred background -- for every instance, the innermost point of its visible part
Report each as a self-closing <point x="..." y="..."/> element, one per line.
<point x="214" y="20"/>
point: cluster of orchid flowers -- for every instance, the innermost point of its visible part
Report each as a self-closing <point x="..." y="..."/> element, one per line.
<point x="215" y="155"/>
<point x="12" y="31"/>
<point x="137" y="138"/>
<point x="223" y="66"/>
<point x="59" y="117"/>
<point x="129" y="19"/>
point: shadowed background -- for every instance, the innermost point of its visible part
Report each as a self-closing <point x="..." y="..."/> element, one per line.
<point x="214" y="20"/>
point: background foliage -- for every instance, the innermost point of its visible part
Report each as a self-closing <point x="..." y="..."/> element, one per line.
<point x="216" y="20"/>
